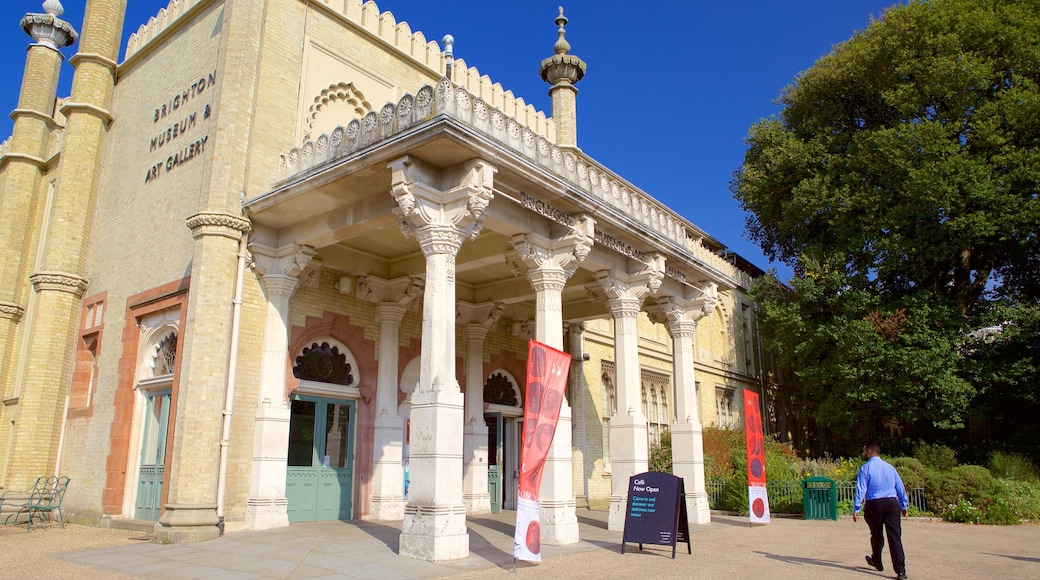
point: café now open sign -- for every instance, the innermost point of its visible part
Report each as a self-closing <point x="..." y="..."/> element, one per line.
<point x="656" y="511"/>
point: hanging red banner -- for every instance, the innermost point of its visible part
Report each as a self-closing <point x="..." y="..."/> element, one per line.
<point x="547" y="370"/>
<point x="758" y="499"/>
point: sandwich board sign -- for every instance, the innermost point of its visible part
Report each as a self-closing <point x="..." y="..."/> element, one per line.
<point x="656" y="512"/>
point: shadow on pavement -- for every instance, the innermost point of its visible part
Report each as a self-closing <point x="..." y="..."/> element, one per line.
<point x="1019" y="558"/>
<point x="814" y="562"/>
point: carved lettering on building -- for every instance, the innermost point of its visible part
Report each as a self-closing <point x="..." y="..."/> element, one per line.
<point x="546" y="210"/>
<point x="177" y="120"/>
<point x="675" y="274"/>
<point x="604" y="239"/>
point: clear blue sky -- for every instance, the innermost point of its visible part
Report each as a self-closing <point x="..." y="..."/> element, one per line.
<point x="670" y="92"/>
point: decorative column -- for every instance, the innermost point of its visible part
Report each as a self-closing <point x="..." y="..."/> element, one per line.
<point x="191" y="512"/>
<point x="22" y="201"/>
<point x="477" y="321"/>
<point x="60" y="280"/>
<point x="680" y="316"/>
<point x="440" y="208"/>
<point x="279" y="270"/>
<point x="629" y="451"/>
<point x="548" y="263"/>
<point x="393" y="299"/>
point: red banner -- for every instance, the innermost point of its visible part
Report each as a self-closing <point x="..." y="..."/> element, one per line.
<point x="547" y="370"/>
<point x="758" y="499"/>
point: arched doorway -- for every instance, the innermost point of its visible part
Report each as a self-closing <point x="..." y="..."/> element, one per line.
<point x="320" y="468"/>
<point x="503" y="416"/>
<point x="152" y="408"/>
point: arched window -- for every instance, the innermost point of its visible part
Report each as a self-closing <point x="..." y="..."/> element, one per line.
<point x="499" y="390"/>
<point x="323" y="363"/>
<point x="165" y="356"/>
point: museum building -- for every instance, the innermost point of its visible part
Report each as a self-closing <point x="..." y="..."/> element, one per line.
<point x="267" y="274"/>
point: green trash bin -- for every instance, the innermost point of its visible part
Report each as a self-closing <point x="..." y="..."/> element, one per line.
<point x="819" y="498"/>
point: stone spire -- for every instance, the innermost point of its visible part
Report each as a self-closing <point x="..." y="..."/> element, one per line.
<point x="562" y="71"/>
<point x="48" y="29"/>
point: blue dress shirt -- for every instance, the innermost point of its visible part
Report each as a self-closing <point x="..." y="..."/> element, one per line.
<point x="876" y="480"/>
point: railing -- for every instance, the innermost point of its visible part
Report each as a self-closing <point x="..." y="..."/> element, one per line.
<point x="791" y="493"/>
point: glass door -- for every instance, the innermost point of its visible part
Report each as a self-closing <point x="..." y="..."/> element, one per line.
<point x="495" y="459"/>
<point x="319" y="474"/>
<point x="153" y="455"/>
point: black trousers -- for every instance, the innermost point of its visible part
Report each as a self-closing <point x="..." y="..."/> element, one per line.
<point x="885" y="513"/>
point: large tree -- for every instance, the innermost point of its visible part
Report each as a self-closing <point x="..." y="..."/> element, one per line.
<point x="900" y="182"/>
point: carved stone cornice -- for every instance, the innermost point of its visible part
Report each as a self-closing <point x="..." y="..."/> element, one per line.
<point x="59" y="282"/>
<point x="440" y="219"/>
<point x="217" y="224"/>
<point x="11" y="311"/>
<point x="401" y="291"/>
<point x="282" y="268"/>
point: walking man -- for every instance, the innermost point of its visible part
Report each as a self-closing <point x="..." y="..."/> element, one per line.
<point x="879" y="484"/>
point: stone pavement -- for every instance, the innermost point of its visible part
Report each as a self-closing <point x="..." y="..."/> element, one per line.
<point x="726" y="548"/>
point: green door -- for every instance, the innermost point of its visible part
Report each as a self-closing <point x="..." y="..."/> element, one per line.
<point x="495" y="464"/>
<point x="153" y="456"/>
<point x="319" y="476"/>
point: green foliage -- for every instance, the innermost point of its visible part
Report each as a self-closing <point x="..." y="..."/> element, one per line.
<point x="661" y="454"/>
<point x="1023" y="496"/>
<point x="911" y="471"/>
<point x="967" y="482"/>
<point x="1012" y="466"/>
<point x="901" y="182"/>
<point x="962" y="512"/>
<point x="935" y="455"/>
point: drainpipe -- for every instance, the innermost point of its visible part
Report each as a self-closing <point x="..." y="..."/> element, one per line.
<point x="61" y="437"/>
<point x="229" y="392"/>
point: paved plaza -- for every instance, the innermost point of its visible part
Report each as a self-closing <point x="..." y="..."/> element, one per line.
<point x="726" y="548"/>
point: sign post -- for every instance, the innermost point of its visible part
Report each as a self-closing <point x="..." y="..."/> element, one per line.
<point x="656" y="511"/>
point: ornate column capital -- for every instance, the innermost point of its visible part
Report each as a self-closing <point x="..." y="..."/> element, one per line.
<point x="217" y="224"/>
<point x="478" y="319"/>
<point x="59" y="282"/>
<point x="280" y="269"/>
<point x="680" y="315"/>
<point x="534" y="252"/>
<point x="624" y="293"/>
<point x="401" y="291"/>
<point x="441" y="207"/>
<point x="11" y="311"/>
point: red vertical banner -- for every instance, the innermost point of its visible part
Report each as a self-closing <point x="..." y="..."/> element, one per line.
<point x="758" y="499"/>
<point x="547" y="370"/>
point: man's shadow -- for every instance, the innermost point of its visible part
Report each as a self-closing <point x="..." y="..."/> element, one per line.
<point x="815" y="562"/>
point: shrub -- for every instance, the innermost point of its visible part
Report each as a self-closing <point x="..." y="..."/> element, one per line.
<point x="935" y="455"/>
<point x="999" y="512"/>
<point x="1024" y="497"/>
<point x="962" y="512"/>
<point x="661" y="454"/>
<point x="910" y="471"/>
<point x="1012" y="466"/>
<point x="977" y="481"/>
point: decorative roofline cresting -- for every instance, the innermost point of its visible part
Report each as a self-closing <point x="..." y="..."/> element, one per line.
<point x="586" y="175"/>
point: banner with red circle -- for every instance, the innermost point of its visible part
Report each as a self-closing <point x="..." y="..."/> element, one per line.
<point x="758" y="499"/>
<point x="547" y="370"/>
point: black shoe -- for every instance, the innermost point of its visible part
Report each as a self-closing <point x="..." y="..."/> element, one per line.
<point x="901" y="576"/>
<point x="877" y="565"/>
